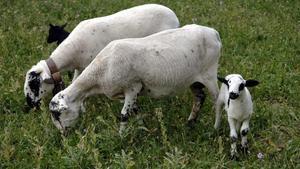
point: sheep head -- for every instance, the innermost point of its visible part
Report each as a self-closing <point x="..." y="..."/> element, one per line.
<point x="37" y="84"/>
<point x="64" y="113"/>
<point x="236" y="84"/>
<point x="57" y="33"/>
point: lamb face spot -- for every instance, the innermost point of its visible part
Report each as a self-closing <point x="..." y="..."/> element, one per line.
<point x="241" y="87"/>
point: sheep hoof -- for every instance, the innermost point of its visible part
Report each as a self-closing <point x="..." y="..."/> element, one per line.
<point x="191" y="123"/>
<point x="234" y="157"/>
<point x="245" y="150"/>
<point x="216" y="126"/>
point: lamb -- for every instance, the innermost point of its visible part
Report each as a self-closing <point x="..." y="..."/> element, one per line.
<point x="57" y="34"/>
<point x="239" y="107"/>
<point x="87" y="39"/>
<point x="161" y="64"/>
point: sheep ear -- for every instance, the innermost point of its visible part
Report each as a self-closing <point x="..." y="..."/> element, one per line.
<point x="251" y="83"/>
<point x="223" y="80"/>
<point x="36" y="70"/>
<point x="51" y="25"/>
<point x="46" y="78"/>
<point x="64" y="25"/>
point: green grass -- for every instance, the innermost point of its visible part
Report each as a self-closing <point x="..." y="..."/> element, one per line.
<point x="260" y="40"/>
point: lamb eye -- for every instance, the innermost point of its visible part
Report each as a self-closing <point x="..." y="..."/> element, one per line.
<point x="241" y="87"/>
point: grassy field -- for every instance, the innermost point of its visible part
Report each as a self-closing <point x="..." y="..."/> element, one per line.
<point x="260" y="40"/>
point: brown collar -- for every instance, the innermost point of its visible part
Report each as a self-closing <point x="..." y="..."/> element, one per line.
<point x="55" y="75"/>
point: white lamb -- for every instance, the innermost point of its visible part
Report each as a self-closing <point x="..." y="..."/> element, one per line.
<point x="87" y="39"/>
<point x="158" y="65"/>
<point x="239" y="107"/>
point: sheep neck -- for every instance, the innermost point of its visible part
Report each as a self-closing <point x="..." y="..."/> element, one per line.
<point x="82" y="88"/>
<point x="65" y="56"/>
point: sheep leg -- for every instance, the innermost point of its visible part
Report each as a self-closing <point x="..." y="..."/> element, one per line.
<point x="244" y="131"/>
<point x="213" y="89"/>
<point x="219" y="105"/>
<point x="199" y="98"/>
<point x="129" y="106"/>
<point x="233" y="138"/>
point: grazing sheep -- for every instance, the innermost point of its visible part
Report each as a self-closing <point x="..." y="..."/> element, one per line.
<point x="158" y="65"/>
<point x="57" y="34"/>
<point x="88" y="39"/>
<point x="239" y="107"/>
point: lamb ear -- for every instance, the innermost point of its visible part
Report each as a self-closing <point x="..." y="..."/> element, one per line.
<point x="51" y="25"/>
<point x="251" y="83"/>
<point x="223" y="80"/>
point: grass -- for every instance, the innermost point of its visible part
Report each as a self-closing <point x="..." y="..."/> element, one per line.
<point x="260" y="40"/>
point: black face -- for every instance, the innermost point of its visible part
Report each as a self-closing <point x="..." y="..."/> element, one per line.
<point x="56" y="115"/>
<point x="34" y="84"/>
<point x="32" y="103"/>
<point x="57" y="33"/>
<point x="53" y="33"/>
<point x="241" y="87"/>
<point x="233" y="95"/>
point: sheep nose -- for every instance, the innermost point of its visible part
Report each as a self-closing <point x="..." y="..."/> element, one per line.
<point x="233" y="95"/>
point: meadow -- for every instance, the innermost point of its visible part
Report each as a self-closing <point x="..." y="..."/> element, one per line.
<point x="260" y="41"/>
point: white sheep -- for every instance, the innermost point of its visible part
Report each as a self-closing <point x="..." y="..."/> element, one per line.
<point x="87" y="39"/>
<point x="158" y="65"/>
<point x="239" y="107"/>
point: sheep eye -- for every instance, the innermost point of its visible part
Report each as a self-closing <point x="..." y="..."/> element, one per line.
<point x="242" y="86"/>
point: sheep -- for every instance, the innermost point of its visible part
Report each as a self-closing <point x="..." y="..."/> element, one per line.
<point x="239" y="107"/>
<point x="159" y="65"/>
<point x="87" y="39"/>
<point x="57" y="34"/>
